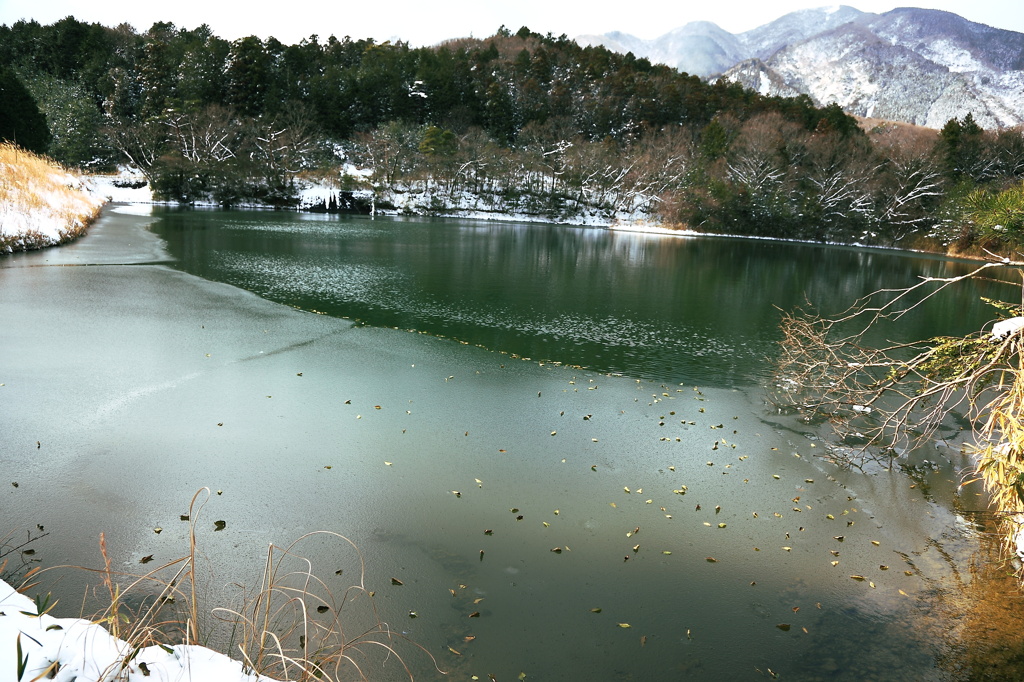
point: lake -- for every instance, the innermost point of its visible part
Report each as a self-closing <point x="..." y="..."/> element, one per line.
<point x="550" y="444"/>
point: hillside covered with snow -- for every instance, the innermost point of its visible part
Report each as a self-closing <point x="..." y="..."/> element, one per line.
<point x="915" y="65"/>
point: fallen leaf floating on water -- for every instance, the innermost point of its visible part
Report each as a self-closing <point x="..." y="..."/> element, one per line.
<point x="158" y="530"/>
<point x="144" y="560"/>
<point x="475" y="614"/>
<point x="456" y="493"/>
<point x="488" y="532"/>
<point x="454" y="651"/>
<point x="858" y="578"/>
<point x="784" y="627"/>
<point x="324" y="609"/>
<point x="184" y="517"/>
<point x="711" y="559"/>
<point x="469" y="638"/>
<point x="396" y="581"/>
<point x="556" y="550"/>
<point x="876" y="543"/>
<point x="219" y="525"/>
<point x="625" y="625"/>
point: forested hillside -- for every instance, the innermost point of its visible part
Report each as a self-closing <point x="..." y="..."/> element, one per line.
<point x="513" y="123"/>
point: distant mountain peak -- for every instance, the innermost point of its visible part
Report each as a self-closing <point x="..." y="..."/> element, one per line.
<point x="922" y="66"/>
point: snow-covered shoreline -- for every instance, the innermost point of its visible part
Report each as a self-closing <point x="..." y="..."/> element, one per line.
<point x="76" y="650"/>
<point x="41" y="204"/>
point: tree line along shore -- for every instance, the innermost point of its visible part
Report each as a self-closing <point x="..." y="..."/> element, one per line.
<point x="517" y="123"/>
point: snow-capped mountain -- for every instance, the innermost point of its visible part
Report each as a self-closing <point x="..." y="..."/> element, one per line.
<point x="915" y="65"/>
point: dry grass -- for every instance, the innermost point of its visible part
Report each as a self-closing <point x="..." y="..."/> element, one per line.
<point x="41" y="203"/>
<point x="292" y="626"/>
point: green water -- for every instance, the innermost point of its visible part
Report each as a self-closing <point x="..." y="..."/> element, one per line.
<point x="675" y="309"/>
<point x="129" y="385"/>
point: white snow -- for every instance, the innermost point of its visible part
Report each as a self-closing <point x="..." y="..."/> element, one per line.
<point x="56" y="210"/>
<point x="86" y="652"/>
<point x="113" y="188"/>
<point x="1005" y="328"/>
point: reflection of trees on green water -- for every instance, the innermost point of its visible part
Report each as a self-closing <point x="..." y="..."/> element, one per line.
<point x="703" y="309"/>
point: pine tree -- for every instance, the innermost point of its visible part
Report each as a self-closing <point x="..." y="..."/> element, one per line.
<point x="21" y="121"/>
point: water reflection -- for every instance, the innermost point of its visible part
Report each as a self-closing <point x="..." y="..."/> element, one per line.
<point x="699" y="310"/>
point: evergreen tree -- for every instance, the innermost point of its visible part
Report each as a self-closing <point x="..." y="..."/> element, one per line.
<point x="21" y="121"/>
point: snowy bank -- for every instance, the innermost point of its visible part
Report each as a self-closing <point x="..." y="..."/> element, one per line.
<point x="41" y="204"/>
<point x="75" y="650"/>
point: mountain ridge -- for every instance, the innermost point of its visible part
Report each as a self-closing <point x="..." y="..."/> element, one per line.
<point x="916" y="65"/>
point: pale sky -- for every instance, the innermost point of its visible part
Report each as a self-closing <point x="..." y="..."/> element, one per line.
<point x="421" y="22"/>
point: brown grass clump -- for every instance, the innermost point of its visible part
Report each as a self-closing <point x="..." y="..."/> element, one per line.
<point x="294" y="625"/>
<point x="41" y="203"/>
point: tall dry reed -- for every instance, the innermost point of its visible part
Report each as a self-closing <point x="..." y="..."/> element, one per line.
<point x="41" y="203"/>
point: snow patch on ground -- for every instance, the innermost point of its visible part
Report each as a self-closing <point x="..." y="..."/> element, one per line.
<point x="47" y="212"/>
<point x="79" y="651"/>
<point x="122" y="189"/>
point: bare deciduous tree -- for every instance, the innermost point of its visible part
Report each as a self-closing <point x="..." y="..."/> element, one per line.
<point x="882" y="400"/>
